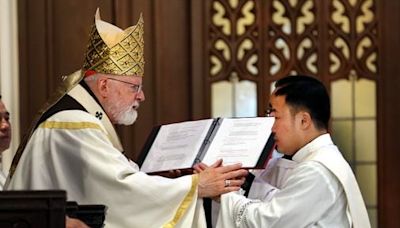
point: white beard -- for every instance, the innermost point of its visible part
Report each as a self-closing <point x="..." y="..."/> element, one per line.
<point x="122" y="115"/>
<point x="127" y="117"/>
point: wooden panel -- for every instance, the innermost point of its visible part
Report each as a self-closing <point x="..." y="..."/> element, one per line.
<point x="389" y="123"/>
<point x="198" y="95"/>
<point x="32" y="59"/>
<point x="172" y="60"/>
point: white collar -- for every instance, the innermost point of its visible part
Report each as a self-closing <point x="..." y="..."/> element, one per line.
<point x="321" y="141"/>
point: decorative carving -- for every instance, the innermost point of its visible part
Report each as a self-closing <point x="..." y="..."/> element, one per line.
<point x="352" y="46"/>
<point x="339" y="16"/>
<point x="365" y="18"/>
<point x="234" y="39"/>
<point x="279" y="17"/>
<point x="291" y="45"/>
<point x="263" y="41"/>
<point x="324" y="38"/>
<point x="220" y="20"/>
<point x="247" y="19"/>
<point x="307" y="17"/>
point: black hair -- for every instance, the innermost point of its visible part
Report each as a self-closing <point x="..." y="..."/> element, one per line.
<point x="306" y="93"/>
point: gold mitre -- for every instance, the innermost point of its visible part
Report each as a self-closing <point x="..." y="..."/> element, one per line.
<point x="112" y="50"/>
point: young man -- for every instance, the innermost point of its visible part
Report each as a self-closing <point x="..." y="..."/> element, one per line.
<point x="320" y="190"/>
<point x="74" y="146"/>
<point x="5" y="135"/>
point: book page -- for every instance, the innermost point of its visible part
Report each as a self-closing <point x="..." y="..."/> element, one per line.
<point x="176" y="146"/>
<point x="240" y="140"/>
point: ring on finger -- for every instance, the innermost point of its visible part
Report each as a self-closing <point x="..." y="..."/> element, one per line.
<point x="227" y="183"/>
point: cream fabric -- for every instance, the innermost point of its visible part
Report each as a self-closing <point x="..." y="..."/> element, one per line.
<point x="2" y="180"/>
<point x="313" y="195"/>
<point x="72" y="150"/>
<point x="268" y="181"/>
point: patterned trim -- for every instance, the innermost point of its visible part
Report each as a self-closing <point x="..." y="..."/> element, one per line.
<point x="185" y="203"/>
<point x="69" y="125"/>
<point x="241" y="213"/>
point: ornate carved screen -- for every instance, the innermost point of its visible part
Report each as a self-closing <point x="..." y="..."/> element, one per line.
<point x="251" y="44"/>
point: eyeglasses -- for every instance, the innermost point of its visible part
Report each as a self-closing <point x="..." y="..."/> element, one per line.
<point x="137" y="88"/>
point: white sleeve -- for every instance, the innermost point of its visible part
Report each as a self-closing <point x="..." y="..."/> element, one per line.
<point x="262" y="190"/>
<point x="307" y="194"/>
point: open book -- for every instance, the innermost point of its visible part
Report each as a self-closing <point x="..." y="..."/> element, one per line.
<point x="181" y="145"/>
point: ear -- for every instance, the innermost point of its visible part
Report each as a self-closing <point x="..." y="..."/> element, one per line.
<point x="306" y="121"/>
<point x="102" y="87"/>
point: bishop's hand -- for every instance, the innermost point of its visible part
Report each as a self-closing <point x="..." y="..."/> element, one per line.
<point x="216" y="179"/>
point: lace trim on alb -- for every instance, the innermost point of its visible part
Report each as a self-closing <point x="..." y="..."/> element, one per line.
<point x="240" y="213"/>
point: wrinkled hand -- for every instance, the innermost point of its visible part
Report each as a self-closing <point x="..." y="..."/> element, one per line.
<point x="74" y="223"/>
<point x="200" y="167"/>
<point x="217" y="179"/>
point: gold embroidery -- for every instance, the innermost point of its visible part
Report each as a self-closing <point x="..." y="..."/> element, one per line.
<point x="70" y="125"/>
<point x="125" y="57"/>
<point x="185" y="203"/>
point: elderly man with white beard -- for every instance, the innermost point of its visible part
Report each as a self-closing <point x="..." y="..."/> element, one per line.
<point x="74" y="146"/>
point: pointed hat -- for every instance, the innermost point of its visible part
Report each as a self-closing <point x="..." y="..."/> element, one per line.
<point x="112" y="50"/>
